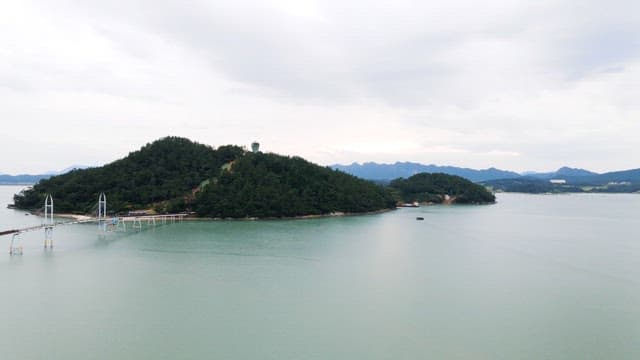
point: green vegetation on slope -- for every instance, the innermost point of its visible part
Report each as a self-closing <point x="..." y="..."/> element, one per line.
<point x="160" y="173"/>
<point x="427" y="187"/>
<point x="270" y="185"/>
<point x="165" y="174"/>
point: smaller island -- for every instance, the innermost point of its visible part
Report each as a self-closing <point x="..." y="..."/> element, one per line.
<point x="438" y="188"/>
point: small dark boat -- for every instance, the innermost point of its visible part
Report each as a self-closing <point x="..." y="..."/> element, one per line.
<point x="419" y="218"/>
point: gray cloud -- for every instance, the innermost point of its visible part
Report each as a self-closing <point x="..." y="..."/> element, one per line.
<point x="398" y="52"/>
<point x="405" y="53"/>
<point x="505" y="84"/>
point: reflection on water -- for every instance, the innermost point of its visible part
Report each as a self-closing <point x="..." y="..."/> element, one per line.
<point x="530" y="277"/>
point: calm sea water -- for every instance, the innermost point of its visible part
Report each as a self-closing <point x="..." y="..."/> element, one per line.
<point x="532" y="277"/>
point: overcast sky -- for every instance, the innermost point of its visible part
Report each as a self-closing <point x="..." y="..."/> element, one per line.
<point x="519" y="85"/>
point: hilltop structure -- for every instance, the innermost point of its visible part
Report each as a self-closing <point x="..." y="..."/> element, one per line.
<point x="255" y="147"/>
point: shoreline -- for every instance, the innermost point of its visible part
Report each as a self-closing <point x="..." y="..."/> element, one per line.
<point x="570" y="193"/>
<point x="299" y="217"/>
<point x="70" y="216"/>
<point x="78" y="217"/>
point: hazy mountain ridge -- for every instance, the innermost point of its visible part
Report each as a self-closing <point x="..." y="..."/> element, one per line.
<point x="375" y="171"/>
<point x="23" y="179"/>
<point x="380" y="171"/>
<point x="28" y="179"/>
<point x="561" y="173"/>
<point x="626" y="181"/>
<point x="584" y="177"/>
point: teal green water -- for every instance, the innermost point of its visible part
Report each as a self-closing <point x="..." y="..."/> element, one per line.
<point x="532" y="277"/>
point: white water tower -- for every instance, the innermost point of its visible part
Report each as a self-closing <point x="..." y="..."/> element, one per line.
<point x="255" y="146"/>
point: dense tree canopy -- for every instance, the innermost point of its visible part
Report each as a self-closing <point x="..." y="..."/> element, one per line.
<point x="426" y="187"/>
<point x="269" y="185"/>
<point x="163" y="171"/>
<point x="165" y="174"/>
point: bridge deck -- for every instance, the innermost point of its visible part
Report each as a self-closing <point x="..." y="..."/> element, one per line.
<point x="84" y="221"/>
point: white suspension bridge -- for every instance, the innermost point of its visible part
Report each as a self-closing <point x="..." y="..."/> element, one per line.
<point x="105" y="224"/>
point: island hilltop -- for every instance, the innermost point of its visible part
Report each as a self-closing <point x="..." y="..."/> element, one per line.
<point x="177" y="175"/>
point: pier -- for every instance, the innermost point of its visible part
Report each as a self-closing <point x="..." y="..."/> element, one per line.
<point x="105" y="224"/>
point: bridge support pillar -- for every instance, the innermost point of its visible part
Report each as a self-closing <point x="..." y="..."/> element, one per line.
<point x="48" y="237"/>
<point x="15" y="248"/>
<point x="48" y="222"/>
<point x="102" y="212"/>
<point x="137" y="224"/>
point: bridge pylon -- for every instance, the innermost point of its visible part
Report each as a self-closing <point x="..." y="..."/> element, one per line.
<point x="102" y="212"/>
<point x="48" y="222"/>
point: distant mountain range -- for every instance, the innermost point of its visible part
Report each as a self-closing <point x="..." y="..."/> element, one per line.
<point x="25" y="179"/>
<point x="582" y="177"/>
<point x="627" y="181"/>
<point x="561" y="173"/>
<point x="387" y="172"/>
<point x="572" y="176"/>
<point x="21" y="179"/>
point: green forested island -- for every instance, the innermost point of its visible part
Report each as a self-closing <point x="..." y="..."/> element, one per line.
<point x="438" y="188"/>
<point x="177" y="175"/>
